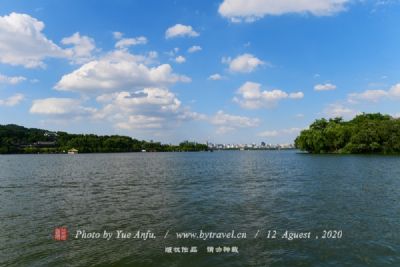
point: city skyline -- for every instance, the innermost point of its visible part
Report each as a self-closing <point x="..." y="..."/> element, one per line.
<point x="229" y="71"/>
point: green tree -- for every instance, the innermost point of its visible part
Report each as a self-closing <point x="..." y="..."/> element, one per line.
<point x="366" y="133"/>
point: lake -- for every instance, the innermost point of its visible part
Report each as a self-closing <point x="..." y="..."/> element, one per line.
<point x="353" y="200"/>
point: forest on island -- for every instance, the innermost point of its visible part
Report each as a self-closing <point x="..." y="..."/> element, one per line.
<point x="18" y="139"/>
<point x="366" y="133"/>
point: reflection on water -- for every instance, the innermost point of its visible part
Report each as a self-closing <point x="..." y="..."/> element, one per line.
<point x="246" y="191"/>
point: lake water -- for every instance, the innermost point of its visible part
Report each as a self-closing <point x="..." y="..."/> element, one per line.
<point x="169" y="193"/>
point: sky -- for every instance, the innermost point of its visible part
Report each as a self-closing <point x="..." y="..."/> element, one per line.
<point x="227" y="71"/>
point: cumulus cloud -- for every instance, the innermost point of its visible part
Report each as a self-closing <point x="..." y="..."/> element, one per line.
<point x="83" y="47"/>
<point x="375" y="95"/>
<point x="251" y="10"/>
<point x="127" y="42"/>
<point x="12" y="100"/>
<point x="245" y="63"/>
<point x="180" y="30"/>
<point x="346" y="110"/>
<point x="149" y="99"/>
<point x="369" y="95"/>
<point x="215" y="77"/>
<point x="339" y="110"/>
<point x="141" y="122"/>
<point x="194" y="49"/>
<point x="275" y="133"/>
<point x="227" y="122"/>
<point x="60" y="107"/>
<point x="252" y="97"/>
<point x="395" y="90"/>
<point x="296" y="95"/>
<point x="180" y="59"/>
<point x="116" y="71"/>
<point x="23" y="43"/>
<point x="325" y="87"/>
<point x="148" y="108"/>
<point x="11" y="80"/>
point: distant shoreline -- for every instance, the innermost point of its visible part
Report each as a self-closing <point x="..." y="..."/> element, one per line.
<point x="15" y="139"/>
<point x="146" y="152"/>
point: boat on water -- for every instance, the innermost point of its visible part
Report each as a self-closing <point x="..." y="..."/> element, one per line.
<point x="73" y="151"/>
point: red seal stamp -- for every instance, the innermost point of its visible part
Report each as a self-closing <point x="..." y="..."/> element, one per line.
<point x="60" y="233"/>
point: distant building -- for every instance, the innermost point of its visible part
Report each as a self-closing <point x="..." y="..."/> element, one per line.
<point x="252" y="146"/>
<point x="44" y="143"/>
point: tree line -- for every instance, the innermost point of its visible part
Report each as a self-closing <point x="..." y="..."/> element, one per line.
<point x="366" y="133"/>
<point x="18" y="139"/>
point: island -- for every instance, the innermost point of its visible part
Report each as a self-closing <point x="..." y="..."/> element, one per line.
<point x="364" y="134"/>
<point x="15" y="139"/>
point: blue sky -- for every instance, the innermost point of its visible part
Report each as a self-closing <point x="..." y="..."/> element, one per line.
<point x="228" y="71"/>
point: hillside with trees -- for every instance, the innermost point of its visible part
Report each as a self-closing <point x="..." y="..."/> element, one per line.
<point x="366" y="133"/>
<point x="18" y="139"/>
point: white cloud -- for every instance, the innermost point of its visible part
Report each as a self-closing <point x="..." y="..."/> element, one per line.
<point x="375" y="95"/>
<point x="245" y="63"/>
<point x="148" y="99"/>
<point x="215" y="77"/>
<point x="82" y="49"/>
<point x="12" y="80"/>
<point x="194" y="48"/>
<point x="275" y="133"/>
<point x="144" y="109"/>
<point x="227" y="122"/>
<point x="251" y="96"/>
<point x="369" y="95"/>
<point x="127" y="42"/>
<point x="152" y="55"/>
<point x="325" y="87"/>
<point x="251" y="10"/>
<point x="117" y="35"/>
<point x="60" y="107"/>
<point x="172" y="52"/>
<point x="180" y="30"/>
<point x="116" y="71"/>
<point x="141" y="122"/>
<point x="396" y="115"/>
<point x="339" y="110"/>
<point x="394" y="91"/>
<point x="180" y="59"/>
<point x="12" y="100"/>
<point x="23" y="43"/>
<point x="297" y="95"/>
<point x="186" y="114"/>
<point x="272" y="133"/>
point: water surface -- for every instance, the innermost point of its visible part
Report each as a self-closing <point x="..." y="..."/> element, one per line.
<point x="246" y="191"/>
